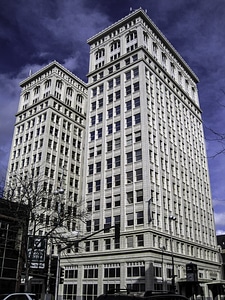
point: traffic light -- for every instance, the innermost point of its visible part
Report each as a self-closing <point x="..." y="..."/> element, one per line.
<point x="61" y="279"/>
<point x="117" y="232"/>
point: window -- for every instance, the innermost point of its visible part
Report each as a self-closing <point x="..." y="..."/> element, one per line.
<point x="110" y="113"/>
<point x="117" y="124"/>
<point x="95" y="245"/>
<point x="109" y="182"/>
<point x="129" y="157"/>
<point x="88" y="226"/>
<point x="98" y="167"/>
<point x="109" y="163"/>
<point x="110" y="128"/>
<point x="87" y="246"/>
<point x="138" y="154"/>
<point x="90" y="187"/>
<point x="107" y="244"/>
<point x="99" y="133"/>
<point x="130" y="177"/>
<point x="140" y="217"/>
<point x="129" y="139"/>
<point x="128" y="105"/>
<point x="137" y="118"/>
<point x="130" y="197"/>
<point x="92" y="135"/>
<point x="97" y="185"/>
<point x="130" y="242"/>
<point x="128" y="90"/>
<point x="117" y="200"/>
<point x="91" y="152"/>
<point x="139" y="174"/>
<point x="100" y="102"/>
<point x="110" y="98"/>
<point x="97" y="204"/>
<point x="139" y="194"/>
<point x="109" y="146"/>
<point x="117" y="180"/>
<point x="117" y="80"/>
<point x="108" y="202"/>
<point x="110" y="84"/>
<point x="137" y="136"/>
<point x="117" y="95"/>
<point x="129" y="121"/>
<point x="91" y="169"/>
<point x="137" y="102"/>
<point x="96" y="224"/>
<point x="135" y="72"/>
<point x="117" y="161"/>
<point x="130" y="219"/>
<point x="136" y="86"/>
<point x="117" y="143"/>
<point x="128" y="75"/>
<point x="100" y="117"/>
<point x="117" y="108"/>
<point x="140" y="240"/>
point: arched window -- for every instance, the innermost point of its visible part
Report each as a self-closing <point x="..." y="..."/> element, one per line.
<point x="47" y="83"/>
<point x="59" y="84"/>
<point x="100" y="53"/>
<point x="115" y="45"/>
<point x="36" y="90"/>
<point x="79" y="98"/>
<point x="69" y="91"/>
<point x="131" y="36"/>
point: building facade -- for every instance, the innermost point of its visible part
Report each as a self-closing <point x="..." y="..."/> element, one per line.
<point x="47" y="147"/>
<point x="146" y="169"/>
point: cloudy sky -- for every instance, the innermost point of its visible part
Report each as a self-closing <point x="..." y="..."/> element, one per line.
<point x="35" y="32"/>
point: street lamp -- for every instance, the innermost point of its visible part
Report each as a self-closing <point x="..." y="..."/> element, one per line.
<point x="172" y="218"/>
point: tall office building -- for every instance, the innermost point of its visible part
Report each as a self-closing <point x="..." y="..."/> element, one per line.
<point x="49" y="135"/>
<point x="146" y="168"/>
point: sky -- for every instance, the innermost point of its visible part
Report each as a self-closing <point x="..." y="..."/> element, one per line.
<point x="33" y="33"/>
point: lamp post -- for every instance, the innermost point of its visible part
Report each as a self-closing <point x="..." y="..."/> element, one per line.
<point x="163" y="248"/>
<point x="59" y="192"/>
<point x="173" y="288"/>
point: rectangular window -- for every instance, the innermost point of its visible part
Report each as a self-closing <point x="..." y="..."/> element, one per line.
<point x="117" y="161"/>
<point x="98" y="167"/>
<point x="137" y="102"/>
<point x="96" y="224"/>
<point x="92" y="136"/>
<point x="129" y="157"/>
<point x="97" y="185"/>
<point x="117" y="124"/>
<point x="130" y="219"/>
<point x="139" y="195"/>
<point x="128" y="90"/>
<point x="136" y="86"/>
<point x="117" y="95"/>
<point x="97" y="204"/>
<point x="140" y="240"/>
<point x="117" y="108"/>
<point x="109" y="146"/>
<point x="139" y="174"/>
<point x="117" y="180"/>
<point x="110" y="98"/>
<point x="117" y="200"/>
<point x="137" y="118"/>
<point x="130" y="177"/>
<point x="110" y="113"/>
<point x="99" y="133"/>
<point x="128" y="105"/>
<point x="138" y="154"/>
<point x="117" y="143"/>
<point x="140" y="217"/>
<point x="137" y="136"/>
<point x="107" y="244"/>
<point x="100" y="117"/>
<point x="110" y="128"/>
<point x="129" y="121"/>
<point x="91" y="169"/>
<point x="109" y="182"/>
<point x="108" y="202"/>
<point x="90" y="187"/>
<point x="109" y="163"/>
<point x="128" y="75"/>
<point x="130" y="197"/>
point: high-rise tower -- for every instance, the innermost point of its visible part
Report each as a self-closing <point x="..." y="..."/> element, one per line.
<point x="145" y="165"/>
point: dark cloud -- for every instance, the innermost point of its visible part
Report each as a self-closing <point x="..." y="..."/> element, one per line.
<point x="34" y="33"/>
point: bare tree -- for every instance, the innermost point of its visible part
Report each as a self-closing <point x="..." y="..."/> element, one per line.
<point x="51" y="216"/>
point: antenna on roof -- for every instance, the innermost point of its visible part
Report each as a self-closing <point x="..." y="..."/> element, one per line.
<point x="131" y="9"/>
<point x="30" y="72"/>
<point x="146" y="11"/>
